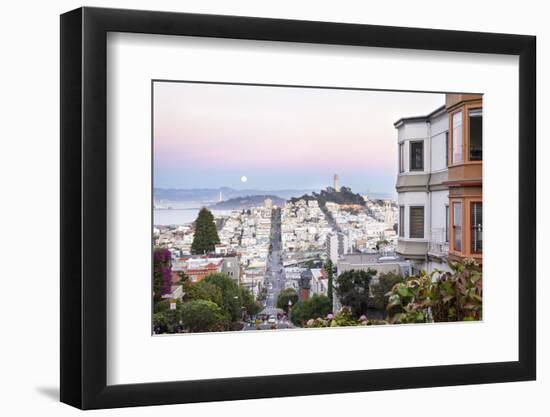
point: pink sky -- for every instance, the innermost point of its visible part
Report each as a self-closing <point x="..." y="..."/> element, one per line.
<point x="209" y="135"/>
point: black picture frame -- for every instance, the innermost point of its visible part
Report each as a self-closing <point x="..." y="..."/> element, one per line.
<point x="84" y="207"/>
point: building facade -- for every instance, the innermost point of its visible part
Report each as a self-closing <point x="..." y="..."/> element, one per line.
<point x="381" y="264"/>
<point x="365" y="262"/>
<point x="196" y="268"/>
<point x="465" y="176"/>
<point x="232" y="267"/>
<point x="439" y="184"/>
<point x="423" y="195"/>
<point x="337" y="244"/>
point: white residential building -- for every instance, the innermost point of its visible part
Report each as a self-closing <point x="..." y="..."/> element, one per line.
<point x="319" y="282"/>
<point x="423" y="195"/>
<point x="337" y="244"/>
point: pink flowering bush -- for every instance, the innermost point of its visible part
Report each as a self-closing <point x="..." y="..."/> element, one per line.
<point x="343" y="318"/>
<point x="162" y="272"/>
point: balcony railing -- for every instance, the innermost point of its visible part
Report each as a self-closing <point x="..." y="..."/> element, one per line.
<point x="438" y="244"/>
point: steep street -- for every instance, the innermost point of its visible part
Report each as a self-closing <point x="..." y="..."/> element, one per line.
<point x="274" y="276"/>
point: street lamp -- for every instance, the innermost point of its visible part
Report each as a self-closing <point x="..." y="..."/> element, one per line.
<point x="243" y="308"/>
<point x="289" y="308"/>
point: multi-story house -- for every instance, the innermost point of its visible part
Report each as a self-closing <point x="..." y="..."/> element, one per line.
<point x="337" y="244"/>
<point x="423" y="195"/>
<point x="439" y="184"/>
<point x="196" y="268"/>
<point x="465" y="176"/>
<point x="319" y="281"/>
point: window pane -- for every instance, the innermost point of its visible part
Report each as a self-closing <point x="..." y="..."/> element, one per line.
<point x="401" y="221"/>
<point x="476" y="139"/>
<point x="401" y="157"/>
<point x="457" y="137"/>
<point x="457" y="226"/>
<point x="477" y="227"/>
<point x="416" y="222"/>
<point x="446" y="149"/>
<point x="446" y="223"/>
<point x="417" y="156"/>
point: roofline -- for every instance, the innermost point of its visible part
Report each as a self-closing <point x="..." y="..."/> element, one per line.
<point x="419" y="118"/>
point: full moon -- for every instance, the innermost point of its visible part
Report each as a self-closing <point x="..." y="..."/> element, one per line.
<point x="244" y="179"/>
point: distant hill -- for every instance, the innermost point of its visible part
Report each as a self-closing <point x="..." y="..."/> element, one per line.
<point x="381" y="196"/>
<point x="344" y="196"/>
<point x="240" y="203"/>
<point x="201" y="195"/>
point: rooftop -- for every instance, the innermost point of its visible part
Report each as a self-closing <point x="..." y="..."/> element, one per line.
<point x="425" y="118"/>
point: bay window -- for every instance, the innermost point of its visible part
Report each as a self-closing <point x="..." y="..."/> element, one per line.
<point x="457" y="226"/>
<point x="457" y="138"/>
<point x="401" y="157"/>
<point x="417" y="156"/>
<point x="475" y="135"/>
<point x="476" y="223"/>
<point x="416" y="222"/>
<point x="401" y="221"/>
<point x="446" y="224"/>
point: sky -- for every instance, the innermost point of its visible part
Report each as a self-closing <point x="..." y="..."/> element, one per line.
<point x="212" y="135"/>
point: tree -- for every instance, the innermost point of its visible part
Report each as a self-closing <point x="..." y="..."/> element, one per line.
<point x="183" y="277"/>
<point x="353" y="290"/>
<point x="234" y="297"/>
<point x="318" y="306"/>
<point x="230" y="303"/>
<point x="251" y="307"/>
<point x="206" y="235"/>
<point x="330" y="275"/>
<point x="202" y="316"/>
<point x="162" y="273"/>
<point x="285" y="296"/>
<point x="384" y="285"/>
<point x="202" y="290"/>
<point x="167" y="320"/>
<point x="161" y="306"/>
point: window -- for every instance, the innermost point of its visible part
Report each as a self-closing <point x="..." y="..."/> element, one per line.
<point x="416" y="229"/>
<point x="417" y="156"/>
<point x="447" y="149"/>
<point x="446" y="224"/>
<point x="457" y="137"/>
<point x="401" y="221"/>
<point x="401" y="157"/>
<point x="476" y="220"/>
<point x="475" y="129"/>
<point x="457" y="226"/>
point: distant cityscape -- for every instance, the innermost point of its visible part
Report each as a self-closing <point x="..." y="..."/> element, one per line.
<point x="309" y="234"/>
<point x="230" y="260"/>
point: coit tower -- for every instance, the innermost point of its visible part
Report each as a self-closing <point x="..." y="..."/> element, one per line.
<point x="336" y="183"/>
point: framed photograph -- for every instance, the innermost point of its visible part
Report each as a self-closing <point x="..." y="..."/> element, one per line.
<point x="257" y="208"/>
